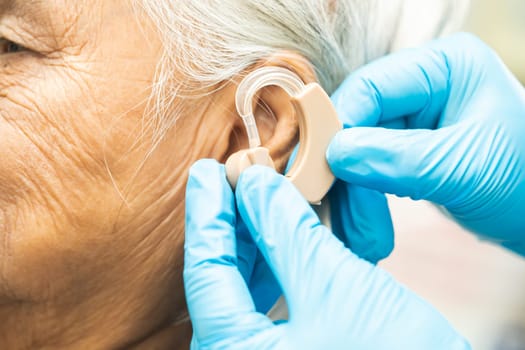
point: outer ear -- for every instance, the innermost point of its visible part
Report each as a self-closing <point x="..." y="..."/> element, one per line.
<point x="274" y="114"/>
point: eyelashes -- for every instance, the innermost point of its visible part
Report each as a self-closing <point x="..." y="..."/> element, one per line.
<point x="10" y="47"/>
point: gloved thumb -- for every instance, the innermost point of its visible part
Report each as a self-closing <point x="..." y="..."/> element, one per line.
<point x="409" y="163"/>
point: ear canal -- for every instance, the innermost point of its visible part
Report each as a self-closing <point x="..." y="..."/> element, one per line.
<point x="240" y="161"/>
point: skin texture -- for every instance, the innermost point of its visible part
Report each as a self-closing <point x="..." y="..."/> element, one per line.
<point x="91" y="219"/>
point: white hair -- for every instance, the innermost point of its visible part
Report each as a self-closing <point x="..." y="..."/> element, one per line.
<point x="209" y="42"/>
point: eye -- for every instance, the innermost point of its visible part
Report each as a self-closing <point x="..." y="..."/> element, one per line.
<point x="10" y="47"/>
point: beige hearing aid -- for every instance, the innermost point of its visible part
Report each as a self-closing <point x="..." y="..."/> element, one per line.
<point x="318" y="124"/>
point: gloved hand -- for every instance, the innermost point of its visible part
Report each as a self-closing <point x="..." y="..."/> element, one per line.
<point x="452" y="131"/>
<point x="336" y="300"/>
<point x="360" y="218"/>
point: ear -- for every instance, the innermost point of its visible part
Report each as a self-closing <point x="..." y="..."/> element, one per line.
<point x="274" y="114"/>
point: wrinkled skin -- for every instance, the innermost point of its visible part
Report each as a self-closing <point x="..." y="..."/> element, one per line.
<point x="90" y="234"/>
<point x="91" y="211"/>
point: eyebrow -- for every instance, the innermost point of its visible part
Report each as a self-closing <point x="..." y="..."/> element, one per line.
<point x="15" y="5"/>
<point x="41" y="13"/>
<point x="28" y="9"/>
<point x="30" y="23"/>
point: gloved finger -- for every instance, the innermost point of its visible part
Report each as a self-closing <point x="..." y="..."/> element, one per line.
<point x="255" y="271"/>
<point x="300" y="251"/>
<point x="411" y="83"/>
<point x="362" y="219"/>
<point x="414" y="163"/>
<point x="400" y="123"/>
<point x="218" y="299"/>
<point x="194" y="345"/>
<point x="263" y="286"/>
<point x="246" y="251"/>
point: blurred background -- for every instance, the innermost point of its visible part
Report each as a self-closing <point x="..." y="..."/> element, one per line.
<point x="479" y="287"/>
<point x="501" y="24"/>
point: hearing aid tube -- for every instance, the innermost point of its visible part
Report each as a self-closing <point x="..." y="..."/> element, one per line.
<point x="318" y="124"/>
<point x="255" y="81"/>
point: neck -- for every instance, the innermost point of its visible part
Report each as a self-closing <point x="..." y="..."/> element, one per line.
<point x="176" y="336"/>
<point x="22" y="328"/>
<point x="121" y="321"/>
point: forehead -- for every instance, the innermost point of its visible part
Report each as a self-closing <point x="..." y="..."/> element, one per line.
<point x="28" y="5"/>
<point x="109" y="27"/>
<point x="49" y="12"/>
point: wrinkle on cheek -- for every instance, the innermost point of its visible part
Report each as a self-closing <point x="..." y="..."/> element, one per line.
<point x="55" y="117"/>
<point x="71" y="118"/>
<point x="48" y="159"/>
<point x="26" y="180"/>
<point x="4" y="251"/>
<point x="50" y="140"/>
<point x="69" y="128"/>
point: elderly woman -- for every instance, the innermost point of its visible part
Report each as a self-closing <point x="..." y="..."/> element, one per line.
<point x="104" y="107"/>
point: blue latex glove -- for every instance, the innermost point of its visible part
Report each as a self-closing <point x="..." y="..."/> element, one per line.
<point x="336" y="300"/>
<point x="360" y="218"/>
<point x="462" y="138"/>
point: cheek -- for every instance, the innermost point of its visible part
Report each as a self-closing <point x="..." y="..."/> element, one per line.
<point x="59" y="143"/>
<point x="45" y="135"/>
<point x="61" y="125"/>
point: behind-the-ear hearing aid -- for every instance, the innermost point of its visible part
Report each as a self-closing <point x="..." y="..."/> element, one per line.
<point x="318" y="124"/>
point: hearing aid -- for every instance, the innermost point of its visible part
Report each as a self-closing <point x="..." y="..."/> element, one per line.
<point x="318" y="124"/>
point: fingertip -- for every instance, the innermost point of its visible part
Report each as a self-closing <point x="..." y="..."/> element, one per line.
<point x="205" y="174"/>
<point x="258" y="186"/>
<point x="257" y="171"/>
<point x="253" y="179"/>
<point x="361" y="217"/>
<point x="336" y="148"/>
<point x="203" y="165"/>
<point x="464" y="40"/>
<point x="356" y="101"/>
<point x="378" y="242"/>
<point x="344" y="152"/>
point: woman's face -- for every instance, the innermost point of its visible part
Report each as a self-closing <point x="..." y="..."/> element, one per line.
<point x="85" y="220"/>
<point x="91" y="207"/>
